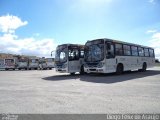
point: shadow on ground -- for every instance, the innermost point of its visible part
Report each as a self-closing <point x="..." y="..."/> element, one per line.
<point x="105" y="78"/>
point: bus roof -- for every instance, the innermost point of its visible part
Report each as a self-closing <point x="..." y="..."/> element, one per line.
<point x="118" y="41"/>
<point x="71" y="45"/>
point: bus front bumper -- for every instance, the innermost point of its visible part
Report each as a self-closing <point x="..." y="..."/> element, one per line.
<point x="94" y="70"/>
<point x="61" y="70"/>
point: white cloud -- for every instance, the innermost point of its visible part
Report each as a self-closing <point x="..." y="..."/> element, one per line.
<point x="151" y="31"/>
<point x="11" y="43"/>
<point x="155" y="43"/>
<point x="9" y="23"/>
<point x="28" y="46"/>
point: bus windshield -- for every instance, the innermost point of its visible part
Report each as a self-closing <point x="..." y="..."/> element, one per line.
<point x="22" y="60"/>
<point x="33" y="60"/>
<point x="61" y="54"/>
<point x="94" y="52"/>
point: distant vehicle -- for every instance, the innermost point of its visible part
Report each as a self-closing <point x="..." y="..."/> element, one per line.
<point x="33" y="63"/>
<point x="42" y="64"/>
<point x="22" y="63"/>
<point x="10" y="63"/>
<point x="107" y="56"/>
<point x="50" y="63"/>
<point x="69" y="58"/>
<point x="2" y="64"/>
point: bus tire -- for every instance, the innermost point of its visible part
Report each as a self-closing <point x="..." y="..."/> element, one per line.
<point x="73" y="73"/>
<point x="19" y="68"/>
<point x="6" y="68"/>
<point x="82" y="70"/>
<point x="119" y="69"/>
<point x="144" y="67"/>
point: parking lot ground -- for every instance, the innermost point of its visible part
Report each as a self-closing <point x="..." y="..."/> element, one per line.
<point x="45" y="91"/>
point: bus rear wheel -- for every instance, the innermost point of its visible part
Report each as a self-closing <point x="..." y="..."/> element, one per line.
<point x="144" y="67"/>
<point x="119" y="69"/>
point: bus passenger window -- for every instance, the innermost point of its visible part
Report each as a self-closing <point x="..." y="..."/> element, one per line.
<point x="151" y="52"/>
<point x="81" y="54"/>
<point x="140" y="51"/>
<point x="127" y="49"/>
<point x="119" y="50"/>
<point x="109" y="50"/>
<point x="134" y="51"/>
<point x="73" y="54"/>
<point x="146" y="52"/>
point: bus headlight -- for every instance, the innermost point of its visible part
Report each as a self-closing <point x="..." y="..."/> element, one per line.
<point x="100" y="65"/>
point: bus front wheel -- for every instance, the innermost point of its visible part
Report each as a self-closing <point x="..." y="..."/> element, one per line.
<point x="119" y="69"/>
<point x="82" y="70"/>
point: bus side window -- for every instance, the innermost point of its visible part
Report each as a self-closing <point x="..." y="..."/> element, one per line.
<point x="127" y="50"/>
<point x="134" y="50"/>
<point x="146" y="52"/>
<point x="140" y="51"/>
<point x="82" y="54"/>
<point x="151" y="52"/>
<point x="118" y="49"/>
<point x="73" y="54"/>
<point x="109" y="50"/>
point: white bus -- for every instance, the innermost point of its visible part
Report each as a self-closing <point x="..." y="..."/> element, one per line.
<point x="69" y="58"/>
<point x="33" y="63"/>
<point x="10" y="63"/>
<point x="107" y="56"/>
<point x="22" y="63"/>
<point x="50" y="63"/>
<point x="2" y="64"/>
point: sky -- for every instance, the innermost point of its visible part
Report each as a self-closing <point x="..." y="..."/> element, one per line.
<point x="36" y="27"/>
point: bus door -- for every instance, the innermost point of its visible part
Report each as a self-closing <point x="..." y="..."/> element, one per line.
<point x="73" y="61"/>
<point x="110" y="57"/>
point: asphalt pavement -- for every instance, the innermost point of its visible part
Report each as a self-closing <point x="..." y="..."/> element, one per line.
<point x="45" y="91"/>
